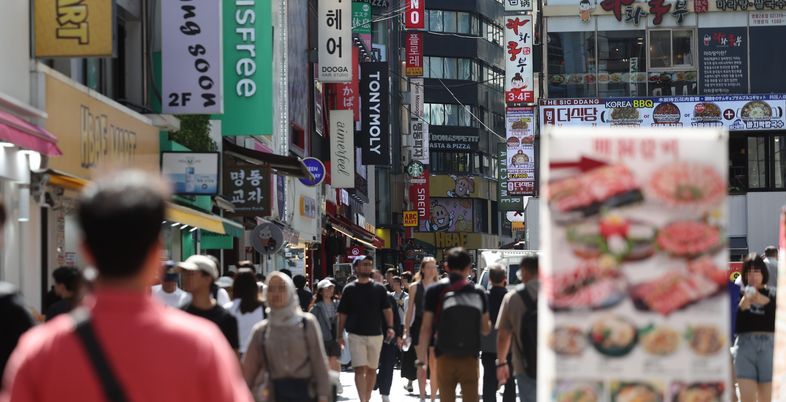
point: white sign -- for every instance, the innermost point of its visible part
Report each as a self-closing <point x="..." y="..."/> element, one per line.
<point x="516" y="216"/>
<point x="420" y="141"/>
<point x="342" y="149"/>
<point x="519" y="82"/>
<point x="518" y="5"/>
<point x="767" y="18"/>
<point x="417" y="97"/>
<point x="335" y="40"/>
<point x="634" y="299"/>
<point x="191" y="57"/>
<point x="190" y="172"/>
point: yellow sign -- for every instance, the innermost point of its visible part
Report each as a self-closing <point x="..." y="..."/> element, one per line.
<point x="410" y="219"/>
<point x="517" y="226"/>
<point x="72" y="28"/>
<point x="450" y="240"/>
<point x="93" y="131"/>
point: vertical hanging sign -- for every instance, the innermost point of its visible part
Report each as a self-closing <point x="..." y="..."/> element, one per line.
<point x="415" y="11"/>
<point x="518" y="5"/>
<point x="519" y="83"/>
<point x="419" y="195"/>
<point x="414" y="54"/>
<point x="520" y="143"/>
<point x="342" y="149"/>
<point x="335" y="40"/>
<point x="417" y="127"/>
<point x="347" y="94"/>
<point x="375" y="135"/>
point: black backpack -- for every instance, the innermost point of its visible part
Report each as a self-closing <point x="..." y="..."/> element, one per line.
<point x="458" y="320"/>
<point x="528" y="333"/>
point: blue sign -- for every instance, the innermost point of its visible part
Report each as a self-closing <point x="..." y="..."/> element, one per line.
<point x="317" y="169"/>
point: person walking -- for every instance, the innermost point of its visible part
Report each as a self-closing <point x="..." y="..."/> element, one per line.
<point x="499" y="281"/>
<point x="413" y="319"/>
<point x="69" y="286"/>
<point x="518" y="320"/>
<point x="168" y="291"/>
<point x="304" y="295"/>
<point x="124" y="345"/>
<point x="285" y="360"/>
<point x="387" y="356"/>
<point x="755" y="329"/>
<point x="363" y="305"/>
<point x="400" y="297"/>
<point x="456" y="316"/>
<point x="324" y="310"/>
<point x="247" y="308"/>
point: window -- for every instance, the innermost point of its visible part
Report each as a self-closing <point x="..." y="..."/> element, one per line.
<point x="757" y="162"/>
<point x="435" y="21"/>
<point x="450" y="162"/>
<point x="671" y="49"/>
<point x="571" y="64"/>
<point x="463" y="23"/>
<point x="780" y="164"/>
<point x="465" y="69"/>
<point x="440" y="114"/>
<point x="451" y="71"/>
<point x="449" y="21"/>
<point x="621" y="64"/>
<point x="435" y="68"/>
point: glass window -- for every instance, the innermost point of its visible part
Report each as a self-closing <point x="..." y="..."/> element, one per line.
<point x="451" y="70"/>
<point x="660" y="49"/>
<point x="465" y="69"/>
<point x="436" y="67"/>
<point x="475" y="26"/>
<point x="757" y="162"/>
<point x="426" y="112"/>
<point x="621" y="64"/>
<point x="463" y="23"/>
<point x="451" y="115"/>
<point x="449" y="21"/>
<point x="571" y="64"/>
<point x="738" y="169"/>
<point x="671" y="48"/>
<point x="435" y="22"/>
<point x="779" y="158"/>
<point x="426" y="67"/>
<point x="426" y="18"/>
<point x="682" y="48"/>
<point x="437" y="114"/>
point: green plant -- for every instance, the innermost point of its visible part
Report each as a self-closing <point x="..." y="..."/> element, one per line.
<point x="195" y="133"/>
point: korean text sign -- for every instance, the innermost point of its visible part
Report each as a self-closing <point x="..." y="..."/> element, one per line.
<point x="415" y="12"/>
<point x="74" y="28"/>
<point x="191" y="59"/>
<point x="634" y="269"/>
<point x="519" y="82"/>
<point x="414" y="54"/>
<point x="348" y="94"/>
<point x="335" y="40"/>
<point x="247" y="187"/>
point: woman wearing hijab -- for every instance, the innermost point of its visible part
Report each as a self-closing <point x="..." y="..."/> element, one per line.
<point x="285" y="360"/>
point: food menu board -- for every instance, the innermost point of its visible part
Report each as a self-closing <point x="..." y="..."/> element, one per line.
<point x="735" y="113"/>
<point x="723" y="60"/>
<point x="633" y="301"/>
<point x="520" y="145"/>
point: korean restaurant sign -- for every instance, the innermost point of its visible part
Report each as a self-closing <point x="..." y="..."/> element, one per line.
<point x="634" y="12"/>
<point x="375" y="94"/>
<point x="519" y="82"/>
<point x="414" y="51"/>
<point x="518" y="5"/>
<point x="71" y="28"/>
<point x="247" y="187"/>
<point x="723" y="61"/>
<point x="94" y="132"/>
<point x="248" y="68"/>
<point x="335" y="40"/>
<point x="418" y="129"/>
<point x="734" y="112"/>
<point x="342" y="149"/>
<point x="415" y="11"/>
<point x="520" y="145"/>
<point x="619" y="236"/>
<point x="348" y="93"/>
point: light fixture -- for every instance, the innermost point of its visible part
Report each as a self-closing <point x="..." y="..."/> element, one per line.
<point x="193" y="229"/>
<point x="183" y="227"/>
<point x="6" y="145"/>
<point x="176" y="224"/>
<point x="163" y="222"/>
<point x="24" y="204"/>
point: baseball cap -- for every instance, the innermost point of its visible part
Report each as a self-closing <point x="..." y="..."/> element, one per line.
<point x="200" y="263"/>
<point x="225" y="282"/>
<point x="358" y="259"/>
<point x="324" y="284"/>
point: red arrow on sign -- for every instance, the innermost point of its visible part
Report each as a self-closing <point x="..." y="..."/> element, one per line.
<point x="584" y="164"/>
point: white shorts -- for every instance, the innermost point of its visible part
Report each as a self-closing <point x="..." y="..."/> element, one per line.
<point x="365" y="350"/>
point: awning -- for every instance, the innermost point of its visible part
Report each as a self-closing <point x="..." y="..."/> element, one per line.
<point x="355" y="232"/>
<point x="27" y="135"/>
<point x="285" y="165"/>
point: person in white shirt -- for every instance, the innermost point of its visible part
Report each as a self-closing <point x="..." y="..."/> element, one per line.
<point x="247" y="306"/>
<point x="168" y="292"/>
<point x="771" y="260"/>
<point x="402" y="298"/>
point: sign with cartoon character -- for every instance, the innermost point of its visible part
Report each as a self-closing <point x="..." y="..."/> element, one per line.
<point x="267" y="238"/>
<point x="465" y="186"/>
<point x="586" y="7"/>
<point x="519" y="82"/>
<point x="450" y="215"/>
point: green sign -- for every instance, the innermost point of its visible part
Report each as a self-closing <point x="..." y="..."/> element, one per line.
<point x="361" y="18"/>
<point x="248" y="68"/>
<point x="506" y="202"/>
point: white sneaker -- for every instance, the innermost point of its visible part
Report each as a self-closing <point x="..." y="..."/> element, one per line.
<point x="385" y="398"/>
<point x="339" y="389"/>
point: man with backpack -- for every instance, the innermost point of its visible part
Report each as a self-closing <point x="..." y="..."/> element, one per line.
<point x="498" y="277"/>
<point x="456" y="316"/>
<point x="518" y="320"/>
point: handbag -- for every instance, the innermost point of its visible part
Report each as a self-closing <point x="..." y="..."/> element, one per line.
<point x="289" y="389"/>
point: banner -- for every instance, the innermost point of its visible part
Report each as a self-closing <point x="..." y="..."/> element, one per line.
<point x="342" y="149"/>
<point x="634" y="302"/>
<point x="415" y="14"/>
<point x="247" y="187"/>
<point x="375" y="133"/>
<point x="506" y="202"/>
<point x="191" y="173"/>
<point x="361" y="18"/>
<point x="347" y="94"/>
<point x="518" y="5"/>
<point x="248" y="72"/>
<point x="414" y="54"/>
<point x="417" y="98"/>
<point x="73" y="28"/>
<point x="734" y="112"/>
<point x="191" y="57"/>
<point x="420" y="145"/>
<point x="419" y="196"/>
<point x="520" y="145"/>
<point x="519" y="82"/>
<point x="335" y="40"/>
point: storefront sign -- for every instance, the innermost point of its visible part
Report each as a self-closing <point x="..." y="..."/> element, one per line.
<point x="734" y="112"/>
<point x="410" y="219"/>
<point x="94" y="131"/>
<point x="519" y="83"/>
<point x="507" y="202"/>
<point x="420" y="141"/>
<point x="191" y="173"/>
<point x="651" y="320"/>
<point x="375" y="133"/>
<point x="723" y="61"/>
<point x="361" y="18"/>
<point x="745" y="5"/>
<point x="453" y="142"/>
<point x="267" y="238"/>
<point x="342" y="149"/>
<point x="450" y="215"/>
<point x="308" y="207"/>
<point x="634" y="12"/>
<point x="520" y="144"/>
<point x="415" y="14"/>
<point x="450" y="240"/>
<point x="518" y="5"/>
<point x="81" y="28"/>
<point x="347" y="94"/>
<point x="414" y="54"/>
<point x="191" y="57"/>
<point x="317" y="169"/>
<point x="247" y="187"/>
<point x="419" y="196"/>
<point x="335" y="40"/>
<point x="248" y="68"/>
<point x="767" y="18"/>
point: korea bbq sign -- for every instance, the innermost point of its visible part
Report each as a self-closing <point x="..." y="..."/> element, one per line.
<point x="191" y="57"/>
<point x="519" y="82"/>
<point x="415" y="14"/>
<point x="414" y="54"/>
<point x="375" y="134"/>
<point x="335" y="40"/>
<point x="736" y="113"/>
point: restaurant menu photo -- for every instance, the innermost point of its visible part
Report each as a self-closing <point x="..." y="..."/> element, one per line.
<point x="633" y="304"/>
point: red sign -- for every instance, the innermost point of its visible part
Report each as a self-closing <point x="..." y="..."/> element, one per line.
<point x="419" y="196"/>
<point x="347" y="93"/>
<point x="415" y="11"/>
<point x="701" y="6"/>
<point x="414" y="54"/>
<point x="353" y="252"/>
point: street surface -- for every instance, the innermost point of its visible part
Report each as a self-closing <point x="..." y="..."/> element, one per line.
<point x="397" y="392"/>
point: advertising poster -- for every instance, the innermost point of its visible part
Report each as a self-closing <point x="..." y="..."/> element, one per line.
<point x="361" y="23"/>
<point x="335" y="40"/>
<point x="519" y="81"/>
<point x="342" y="149"/>
<point x="633" y="302"/>
<point x="723" y="60"/>
<point x="449" y="215"/>
<point x="191" y="59"/>
<point x="520" y="155"/>
<point x="191" y="173"/>
<point x="375" y="94"/>
<point x="414" y="54"/>
<point x="507" y="202"/>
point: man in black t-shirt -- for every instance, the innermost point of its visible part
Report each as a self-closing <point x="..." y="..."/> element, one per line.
<point x="466" y="319"/>
<point x="199" y="273"/>
<point x="363" y="305"/>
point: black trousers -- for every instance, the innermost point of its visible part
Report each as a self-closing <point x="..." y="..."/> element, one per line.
<point x="490" y="380"/>
<point x="408" y="369"/>
<point x="387" y="359"/>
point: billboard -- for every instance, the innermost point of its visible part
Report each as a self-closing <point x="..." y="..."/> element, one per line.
<point x="192" y="173"/>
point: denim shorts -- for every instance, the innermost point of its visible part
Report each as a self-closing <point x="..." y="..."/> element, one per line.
<point x="753" y="356"/>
